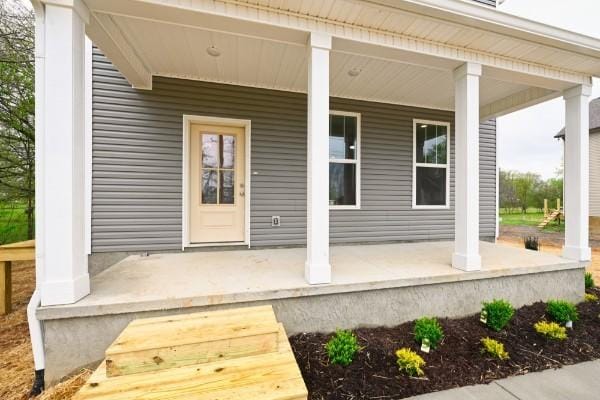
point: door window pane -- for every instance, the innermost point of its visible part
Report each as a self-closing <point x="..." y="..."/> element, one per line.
<point x="227" y="188"/>
<point x="342" y="184"/>
<point x="209" y="186"/>
<point x="227" y="151"/>
<point x="342" y="137"/>
<point x="431" y="186"/>
<point x="210" y="150"/>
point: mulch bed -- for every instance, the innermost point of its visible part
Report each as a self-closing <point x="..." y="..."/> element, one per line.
<point x="457" y="361"/>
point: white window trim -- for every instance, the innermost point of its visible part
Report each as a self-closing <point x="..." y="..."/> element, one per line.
<point x="416" y="164"/>
<point x="347" y="161"/>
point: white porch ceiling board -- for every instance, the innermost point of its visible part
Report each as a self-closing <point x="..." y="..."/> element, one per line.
<point x="178" y="51"/>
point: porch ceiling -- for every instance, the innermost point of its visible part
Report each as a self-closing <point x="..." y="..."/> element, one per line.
<point x="181" y="52"/>
<point x="405" y="50"/>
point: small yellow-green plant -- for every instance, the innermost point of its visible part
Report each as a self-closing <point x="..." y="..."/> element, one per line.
<point x="590" y="297"/>
<point x="410" y="362"/>
<point x="494" y="348"/>
<point x="562" y="311"/>
<point x="498" y="313"/>
<point x="428" y="328"/>
<point x="589" y="280"/>
<point x="342" y="347"/>
<point x="551" y="330"/>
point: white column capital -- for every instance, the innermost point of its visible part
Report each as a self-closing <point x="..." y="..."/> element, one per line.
<point x="319" y="40"/>
<point x="579" y="90"/>
<point x="77" y="5"/>
<point x="468" y="68"/>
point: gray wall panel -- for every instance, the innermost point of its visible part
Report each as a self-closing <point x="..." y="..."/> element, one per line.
<point x="137" y="155"/>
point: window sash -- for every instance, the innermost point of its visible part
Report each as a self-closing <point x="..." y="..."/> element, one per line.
<point x="355" y="161"/>
<point x="446" y="166"/>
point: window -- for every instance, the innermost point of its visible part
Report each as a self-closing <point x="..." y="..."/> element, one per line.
<point x="218" y="169"/>
<point x="344" y="160"/>
<point x="431" y="173"/>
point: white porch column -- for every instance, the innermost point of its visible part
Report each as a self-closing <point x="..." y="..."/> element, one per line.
<point x="466" y="156"/>
<point x="60" y="154"/>
<point x="317" y="267"/>
<point x="576" y="203"/>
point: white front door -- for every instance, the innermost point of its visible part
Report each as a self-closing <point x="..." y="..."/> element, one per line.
<point x="217" y="186"/>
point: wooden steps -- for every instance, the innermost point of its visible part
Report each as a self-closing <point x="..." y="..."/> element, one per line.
<point x="160" y="343"/>
<point x="549" y="218"/>
<point x="269" y="373"/>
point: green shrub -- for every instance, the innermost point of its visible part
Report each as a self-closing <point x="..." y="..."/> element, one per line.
<point x="410" y="362"/>
<point x="589" y="280"/>
<point x="342" y="347"/>
<point x="428" y="328"/>
<point x="562" y="311"/>
<point x="498" y="314"/>
<point x="494" y="348"/>
<point x="551" y="330"/>
<point x="590" y="297"/>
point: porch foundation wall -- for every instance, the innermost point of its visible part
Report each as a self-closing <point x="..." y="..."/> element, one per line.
<point x="72" y="343"/>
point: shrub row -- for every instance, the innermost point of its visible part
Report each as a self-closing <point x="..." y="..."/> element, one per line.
<point x="496" y="314"/>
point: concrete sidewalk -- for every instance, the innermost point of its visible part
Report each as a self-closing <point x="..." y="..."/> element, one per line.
<point x="580" y="382"/>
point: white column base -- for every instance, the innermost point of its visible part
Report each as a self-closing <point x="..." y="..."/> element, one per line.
<point x="317" y="274"/>
<point x="577" y="253"/>
<point x="65" y="292"/>
<point x="466" y="262"/>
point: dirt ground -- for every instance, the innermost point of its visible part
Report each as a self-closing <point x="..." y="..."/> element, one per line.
<point x="16" y="363"/>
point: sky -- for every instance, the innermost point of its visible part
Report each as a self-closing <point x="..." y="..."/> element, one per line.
<point x="525" y="138"/>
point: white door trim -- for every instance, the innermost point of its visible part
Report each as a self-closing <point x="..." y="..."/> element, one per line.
<point x="188" y="120"/>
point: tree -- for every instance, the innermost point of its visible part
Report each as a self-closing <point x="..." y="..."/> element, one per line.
<point x="17" y="107"/>
<point x="525" y="185"/>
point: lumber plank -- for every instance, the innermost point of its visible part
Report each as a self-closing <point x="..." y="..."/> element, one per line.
<point x="192" y="339"/>
<point x="20" y="251"/>
<point x="5" y="287"/>
<point x="266" y="311"/>
<point x="271" y="376"/>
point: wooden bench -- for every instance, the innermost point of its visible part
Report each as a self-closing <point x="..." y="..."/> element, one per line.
<point x="21" y="251"/>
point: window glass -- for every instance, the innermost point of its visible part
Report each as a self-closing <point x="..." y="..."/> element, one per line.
<point x="342" y="137"/>
<point x="342" y="184"/>
<point x="343" y="151"/>
<point x="431" y="186"/>
<point x="209" y="186"/>
<point x="218" y="169"/>
<point x="431" y="169"/>
<point x="431" y="143"/>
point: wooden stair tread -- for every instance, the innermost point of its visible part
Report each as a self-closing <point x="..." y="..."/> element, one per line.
<point x="171" y="342"/>
<point x="271" y="376"/>
<point x="549" y="218"/>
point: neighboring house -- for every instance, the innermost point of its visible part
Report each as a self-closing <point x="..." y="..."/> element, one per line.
<point x="594" y="144"/>
<point x="182" y="130"/>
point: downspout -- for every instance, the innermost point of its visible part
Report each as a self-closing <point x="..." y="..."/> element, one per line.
<point x="35" y="326"/>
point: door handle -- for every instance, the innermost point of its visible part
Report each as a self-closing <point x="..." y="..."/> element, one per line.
<point x="242" y="193"/>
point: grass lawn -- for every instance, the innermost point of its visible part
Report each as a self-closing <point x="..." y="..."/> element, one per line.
<point x="531" y="218"/>
<point x="13" y="224"/>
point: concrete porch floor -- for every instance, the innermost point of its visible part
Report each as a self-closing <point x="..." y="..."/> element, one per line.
<point x="196" y="279"/>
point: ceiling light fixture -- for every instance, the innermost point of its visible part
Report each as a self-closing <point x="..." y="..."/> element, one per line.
<point x="213" y="51"/>
<point x="354" y="72"/>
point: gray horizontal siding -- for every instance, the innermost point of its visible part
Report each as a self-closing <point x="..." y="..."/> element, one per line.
<point x="137" y="155"/>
